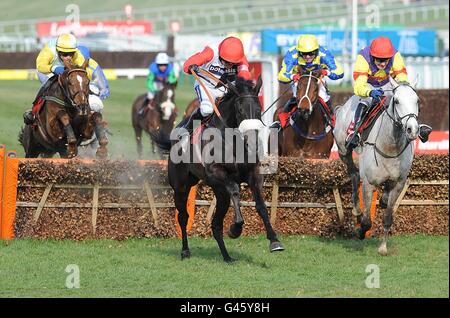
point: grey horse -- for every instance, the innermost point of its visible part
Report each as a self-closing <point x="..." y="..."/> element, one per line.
<point x="385" y="157"/>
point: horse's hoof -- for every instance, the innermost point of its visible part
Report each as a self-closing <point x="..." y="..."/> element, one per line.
<point x="360" y="233"/>
<point x="235" y="231"/>
<point x="276" y="247"/>
<point x="382" y="203"/>
<point x="102" y="153"/>
<point x="229" y="260"/>
<point x="185" y="254"/>
<point x="382" y="250"/>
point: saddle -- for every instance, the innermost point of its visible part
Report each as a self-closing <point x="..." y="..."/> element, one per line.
<point x="370" y="117"/>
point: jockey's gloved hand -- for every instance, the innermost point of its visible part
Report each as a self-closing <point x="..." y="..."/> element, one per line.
<point x="104" y="93"/>
<point x="193" y="68"/>
<point x="376" y="93"/>
<point x="58" y="70"/>
<point x="295" y="77"/>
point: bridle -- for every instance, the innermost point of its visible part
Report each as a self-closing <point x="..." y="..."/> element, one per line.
<point x="65" y="87"/>
<point x="397" y="122"/>
<point x="308" y="85"/>
<point x="396" y="119"/>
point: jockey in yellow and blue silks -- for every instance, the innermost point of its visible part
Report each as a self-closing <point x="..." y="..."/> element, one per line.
<point x="374" y="65"/>
<point x="161" y="71"/>
<point x="308" y="56"/>
<point x="99" y="87"/>
<point x="50" y="62"/>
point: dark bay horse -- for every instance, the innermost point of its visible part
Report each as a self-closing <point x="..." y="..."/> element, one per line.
<point x="160" y="115"/>
<point x="64" y="119"/>
<point x="240" y="111"/>
<point x="308" y="135"/>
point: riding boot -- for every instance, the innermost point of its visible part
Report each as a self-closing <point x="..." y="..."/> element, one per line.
<point x="353" y="138"/>
<point x="286" y="109"/>
<point x="424" y="132"/>
<point x="99" y="129"/>
<point x="141" y="110"/>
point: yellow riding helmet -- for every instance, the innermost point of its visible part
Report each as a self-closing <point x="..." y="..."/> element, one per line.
<point x="66" y="43"/>
<point x="307" y="43"/>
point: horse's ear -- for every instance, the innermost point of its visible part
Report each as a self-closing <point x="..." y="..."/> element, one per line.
<point x="232" y="87"/>
<point x="258" y="85"/>
<point x="85" y="64"/>
<point x="393" y="82"/>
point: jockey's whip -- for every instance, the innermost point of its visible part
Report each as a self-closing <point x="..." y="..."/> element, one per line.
<point x="211" y="99"/>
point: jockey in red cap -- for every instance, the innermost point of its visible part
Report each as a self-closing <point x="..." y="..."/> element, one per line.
<point x="225" y="63"/>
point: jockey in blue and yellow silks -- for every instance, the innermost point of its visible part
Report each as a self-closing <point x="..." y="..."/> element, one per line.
<point x="50" y="62"/>
<point x="374" y="64"/>
<point x="308" y="56"/>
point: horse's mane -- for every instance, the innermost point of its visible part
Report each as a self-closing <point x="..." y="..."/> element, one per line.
<point x="243" y="87"/>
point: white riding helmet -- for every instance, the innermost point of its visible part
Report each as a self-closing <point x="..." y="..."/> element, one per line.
<point x="162" y="58"/>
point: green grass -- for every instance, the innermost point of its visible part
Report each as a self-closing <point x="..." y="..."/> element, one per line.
<point x="16" y="97"/>
<point x="309" y="267"/>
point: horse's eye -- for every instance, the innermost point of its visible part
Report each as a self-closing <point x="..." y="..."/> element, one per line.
<point x="396" y="101"/>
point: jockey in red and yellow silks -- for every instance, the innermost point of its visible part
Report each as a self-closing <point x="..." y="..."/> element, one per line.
<point x="374" y="65"/>
<point x="225" y="63"/>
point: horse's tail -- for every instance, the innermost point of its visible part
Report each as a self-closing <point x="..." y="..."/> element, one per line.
<point x="162" y="140"/>
<point x="20" y="137"/>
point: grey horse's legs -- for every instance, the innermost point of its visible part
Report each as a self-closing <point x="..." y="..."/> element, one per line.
<point x="353" y="172"/>
<point x="388" y="214"/>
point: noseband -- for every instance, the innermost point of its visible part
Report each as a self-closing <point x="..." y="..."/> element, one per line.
<point x="311" y="104"/>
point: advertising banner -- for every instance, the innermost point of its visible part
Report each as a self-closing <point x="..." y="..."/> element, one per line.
<point x="85" y="28"/>
<point x="409" y="42"/>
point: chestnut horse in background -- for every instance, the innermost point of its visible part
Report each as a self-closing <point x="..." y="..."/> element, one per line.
<point x="308" y="135"/>
<point x="160" y="115"/>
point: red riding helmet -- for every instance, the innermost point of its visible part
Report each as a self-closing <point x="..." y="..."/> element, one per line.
<point x="231" y="50"/>
<point x="382" y="47"/>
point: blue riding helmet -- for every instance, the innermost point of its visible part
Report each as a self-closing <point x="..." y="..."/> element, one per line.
<point x="85" y="51"/>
